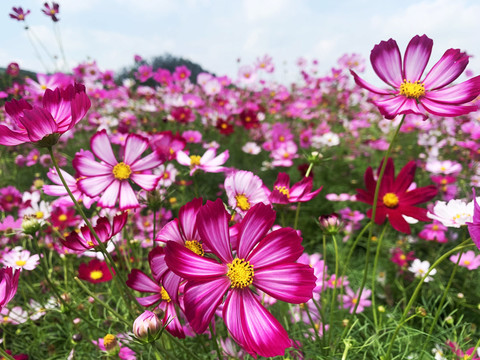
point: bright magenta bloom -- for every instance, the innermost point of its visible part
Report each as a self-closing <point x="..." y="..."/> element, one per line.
<point x="394" y="199"/>
<point x="19" y="14"/>
<point x="111" y="176"/>
<point x="412" y="94"/>
<point x="61" y="110"/>
<point x="266" y="262"/>
<point x="95" y="271"/>
<point x="8" y="285"/>
<point x="84" y="240"/>
<point x="51" y="11"/>
<point x="300" y="192"/>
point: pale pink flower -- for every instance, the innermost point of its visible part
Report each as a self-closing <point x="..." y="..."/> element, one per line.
<point x="244" y="189"/>
<point x="208" y="162"/>
<point x="468" y="260"/>
<point x="19" y="258"/>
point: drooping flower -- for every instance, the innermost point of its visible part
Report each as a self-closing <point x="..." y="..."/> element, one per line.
<point x="412" y="94"/>
<point x="84" y="240"/>
<point x="266" y="262"/>
<point x="245" y="189"/>
<point x="95" y="271"/>
<point x="62" y="110"/>
<point x="112" y="176"/>
<point x="394" y="199"/>
<point x="282" y="193"/>
<point x="208" y="162"/>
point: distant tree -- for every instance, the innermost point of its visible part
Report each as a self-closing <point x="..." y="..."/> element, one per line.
<point x="168" y="62"/>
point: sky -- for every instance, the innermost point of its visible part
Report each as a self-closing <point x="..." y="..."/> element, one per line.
<point x="216" y="33"/>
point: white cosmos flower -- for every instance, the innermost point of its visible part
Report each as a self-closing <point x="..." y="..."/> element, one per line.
<point x="420" y="268"/>
<point x="455" y="213"/>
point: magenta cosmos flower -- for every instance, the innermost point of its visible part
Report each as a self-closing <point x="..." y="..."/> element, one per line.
<point x="51" y="11"/>
<point x="266" y="262"/>
<point x="111" y="176"/>
<point x="410" y="93"/>
<point x="61" y="110"/>
<point x="8" y="285"/>
<point x="300" y="192"/>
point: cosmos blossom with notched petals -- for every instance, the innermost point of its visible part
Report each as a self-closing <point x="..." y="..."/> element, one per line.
<point x="410" y="93"/>
<point x="264" y="261"/>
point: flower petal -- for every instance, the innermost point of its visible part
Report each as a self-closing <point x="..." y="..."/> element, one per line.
<point x="458" y="94"/>
<point x="39" y="123"/>
<point x="293" y="283"/>
<point x="387" y="62"/>
<point x="101" y="147"/>
<point x="93" y="186"/>
<point x="9" y="137"/>
<point x="363" y="84"/>
<point x="89" y="167"/>
<point x="127" y="197"/>
<point x="110" y="196"/>
<point x="187" y="217"/>
<point x="416" y="57"/>
<point x="145" y="181"/>
<point x="398" y="105"/>
<point x="441" y="109"/>
<point x="170" y="232"/>
<point x="135" y="145"/>
<point x="139" y="281"/>
<point x="446" y="70"/>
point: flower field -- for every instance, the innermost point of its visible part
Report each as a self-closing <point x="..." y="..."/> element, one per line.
<point x="171" y="217"/>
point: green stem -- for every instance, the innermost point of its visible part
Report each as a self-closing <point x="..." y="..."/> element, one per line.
<point x="440" y="306"/>
<point x="462" y="246"/>
<point x="297" y="213"/>
<point x="5" y="354"/>
<point x="214" y="339"/>
<point x="334" y="291"/>
<point x="374" y="276"/>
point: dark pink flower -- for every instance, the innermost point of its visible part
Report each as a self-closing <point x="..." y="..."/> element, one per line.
<point x="410" y="93"/>
<point x="267" y="262"/>
<point x="51" y="11"/>
<point x="62" y="110"/>
<point x="19" y="14"/>
<point x="282" y="193"/>
<point x="8" y="285"/>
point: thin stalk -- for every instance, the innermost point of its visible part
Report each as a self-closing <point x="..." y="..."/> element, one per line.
<point x="374" y="210"/>
<point x="214" y="338"/>
<point x="154" y="225"/>
<point x="37" y="53"/>
<point x="462" y="246"/>
<point x="297" y="213"/>
<point x="5" y="354"/>
<point x="472" y="355"/>
<point x="374" y="275"/>
<point x="440" y="306"/>
<point x="334" y="291"/>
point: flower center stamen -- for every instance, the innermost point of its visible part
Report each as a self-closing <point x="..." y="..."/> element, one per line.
<point x="283" y="190"/>
<point x="390" y="200"/>
<point x="109" y="342"/>
<point x="242" y="202"/>
<point x="121" y="171"/>
<point x="96" y="274"/>
<point x="240" y="273"/>
<point x="20" y="262"/>
<point x="165" y="296"/>
<point x="195" y="246"/>
<point x="412" y="90"/>
<point x="195" y="160"/>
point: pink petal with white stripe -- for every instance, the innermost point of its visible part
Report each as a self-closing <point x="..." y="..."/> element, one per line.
<point x="127" y="197"/>
<point x="386" y="62"/>
<point x="170" y="232"/>
<point x="89" y="167"/>
<point x="446" y="70"/>
<point x="135" y="145"/>
<point x="39" y="123"/>
<point x="145" y="181"/>
<point x="102" y="148"/>
<point x="93" y="186"/>
<point x="416" y="57"/>
<point x="148" y="162"/>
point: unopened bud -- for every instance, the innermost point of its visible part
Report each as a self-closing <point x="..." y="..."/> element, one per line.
<point x="147" y="327"/>
<point x="330" y="224"/>
<point x="30" y="225"/>
<point x="421" y="311"/>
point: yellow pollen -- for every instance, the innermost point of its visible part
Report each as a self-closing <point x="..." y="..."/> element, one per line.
<point x="62" y="217"/>
<point x="435" y="227"/>
<point x="390" y="200"/>
<point x="20" y="262"/>
<point x="283" y="190"/>
<point x="281" y="138"/>
<point x="43" y="87"/>
<point x="354" y="300"/>
<point x="242" y="202"/>
<point x="467" y="262"/>
<point x="96" y="274"/>
<point x="121" y="171"/>
<point x="412" y="90"/>
<point x="166" y="175"/>
<point x="9" y="198"/>
<point x="286" y="155"/>
<point x="248" y="119"/>
<point x="195" y="160"/>
<point x="39" y="214"/>
<point x="90" y="243"/>
<point x="165" y="296"/>
<point x="195" y="246"/>
<point x="109" y="342"/>
<point x="403" y="257"/>
<point x="240" y="273"/>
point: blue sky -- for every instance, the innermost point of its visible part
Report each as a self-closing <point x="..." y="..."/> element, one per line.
<point x="215" y="33"/>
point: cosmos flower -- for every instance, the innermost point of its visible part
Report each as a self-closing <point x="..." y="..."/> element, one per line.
<point x="394" y="200"/>
<point x="245" y="189"/>
<point x="410" y="93"/>
<point x="468" y="259"/>
<point x="208" y="162"/>
<point x="62" y="110"/>
<point x="19" y="258"/>
<point x="419" y="268"/>
<point x="111" y="176"/>
<point x="8" y="285"/>
<point x="51" y="11"/>
<point x="350" y="299"/>
<point x="282" y="193"/>
<point x="19" y="14"/>
<point x="267" y="262"/>
<point x="95" y="271"/>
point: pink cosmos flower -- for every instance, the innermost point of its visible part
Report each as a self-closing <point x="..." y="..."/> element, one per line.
<point x="19" y="14"/>
<point x="350" y="299"/>
<point x="245" y="189"/>
<point x="434" y="232"/>
<point x="469" y="354"/>
<point x="51" y="11"/>
<point x="412" y="94"/>
<point x="266" y="262"/>
<point x="144" y="73"/>
<point x="61" y="111"/>
<point x="20" y="259"/>
<point x="109" y="342"/>
<point x="84" y="240"/>
<point x="8" y="285"/>
<point x="468" y="260"/>
<point x="282" y="193"/>
<point x="139" y="281"/>
<point x="111" y="176"/>
<point x="208" y="162"/>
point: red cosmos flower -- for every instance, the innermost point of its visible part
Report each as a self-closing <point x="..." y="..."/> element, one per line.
<point x="51" y="11"/>
<point x="394" y="199"/>
<point x="249" y="118"/>
<point x="412" y="94"/>
<point x="300" y="192"/>
<point x="84" y="240"/>
<point x="264" y="261"/>
<point x="19" y="14"/>
<point x="95" y="271"/>
<point x="61" y="111"/>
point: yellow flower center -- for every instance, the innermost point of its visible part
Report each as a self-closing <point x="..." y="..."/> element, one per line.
<point x="39" y="215"/>
<point x="20" y="262"/>
<point x="62" y="217"/>
<point x="435" y="227"/>
<point x="466" y="262"/>
<point x="195" y="160"/>
<point x="283" y="190"/>
<point x="390" y="200"/>
<point x="195" y="246"/>
<point x="109" y="342"/>
<point x="121" y="171"/>
<point x="240" y="273"/>
<point x="96" y="274"/>
<point x="412" y="90"/>
<point x="354" y="300"/>
<point x="165" y="296"/>
<point x="242" y="202"/>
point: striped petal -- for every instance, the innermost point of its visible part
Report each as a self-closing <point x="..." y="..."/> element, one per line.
<point x="127" y="197"/>
<point x="446" y="70"/>
<point x="110" y="196"/>
<point x="458" y="94"/>
<point x="387" y="62"/>
<point x="441" y="109"/>
<point x="145" y="181"/>
<point x="89" y="167"/>
<point x="93" y="186"/>
<point x="135" y="145"/>
<point x="139" y="281"/>
<point x="363" y="84"/>
<point x="416" y="57"/>
<point x="101" y="147"/>
<point x="39" y="123"/>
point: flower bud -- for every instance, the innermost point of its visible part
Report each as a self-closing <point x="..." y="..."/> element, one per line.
<point x="30" y="225"/>
<point x="330" y="224"/>
<point x="110" y="342"/>
<point x="147" y="327"/>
